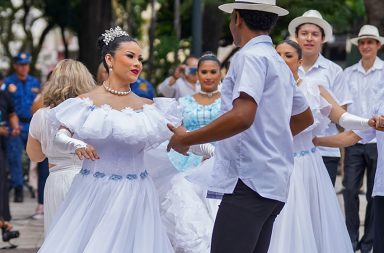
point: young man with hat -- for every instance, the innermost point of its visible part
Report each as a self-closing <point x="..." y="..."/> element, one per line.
<point x="366" y="83"/>
<point x="311" y="31"/>
<point x="23" y="89"/>
<point x="254" y="149"/>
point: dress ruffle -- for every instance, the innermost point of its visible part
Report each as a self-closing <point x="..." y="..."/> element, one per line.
<point x="88" y="121"/>
<point x="319" y="106"/>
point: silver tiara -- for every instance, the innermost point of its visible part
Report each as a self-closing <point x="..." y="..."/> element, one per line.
<point x="111" y="34"/>
<point x="208" y="55"/>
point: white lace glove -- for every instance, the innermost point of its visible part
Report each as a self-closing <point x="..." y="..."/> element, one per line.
<point x="353" y="122"/>
<point x="206" y="150"/>
<point x="64" y="143"/>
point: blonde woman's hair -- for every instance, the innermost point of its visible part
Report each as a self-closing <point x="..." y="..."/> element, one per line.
<point x="69" y="79"/>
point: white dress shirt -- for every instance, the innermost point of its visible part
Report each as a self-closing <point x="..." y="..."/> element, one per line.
<point x="179" y="89"/>
<point x="261" y="156"/>
<point x="367" y="88"/>
<point x="333" y="76"/>
<point x="368" y="135"/>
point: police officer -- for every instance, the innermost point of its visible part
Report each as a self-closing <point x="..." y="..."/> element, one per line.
<point x="23" y="89"/>
<point x="143" y="88"/>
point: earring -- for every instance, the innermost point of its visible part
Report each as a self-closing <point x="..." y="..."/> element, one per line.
<point x="110" y="69"/>
<point x="197" y="82"/>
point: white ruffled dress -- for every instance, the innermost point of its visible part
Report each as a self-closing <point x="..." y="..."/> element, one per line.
<point x="112" y="205"/>
<point x="311" y="220"/>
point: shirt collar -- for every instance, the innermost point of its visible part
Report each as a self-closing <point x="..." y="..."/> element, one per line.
<point x="378" y="64"/>
<point x="321" y="62"/>
<point x="257" y="40"/>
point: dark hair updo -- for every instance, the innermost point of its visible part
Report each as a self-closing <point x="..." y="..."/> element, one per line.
<point x="294" y="45"/>
<point x="208" y="56"/>
<point x="112" y="47"/>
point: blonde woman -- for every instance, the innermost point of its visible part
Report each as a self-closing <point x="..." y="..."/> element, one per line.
<point x="69" y="80"/>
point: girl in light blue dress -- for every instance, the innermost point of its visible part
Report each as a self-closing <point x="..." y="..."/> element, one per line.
<point x="186" y="212"/>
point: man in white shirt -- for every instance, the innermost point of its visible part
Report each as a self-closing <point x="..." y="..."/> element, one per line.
<point x="181" y="84"/>
<point x="254" y="149"/>
<point x="311" y="31"/>
<point x="366" y="83"/>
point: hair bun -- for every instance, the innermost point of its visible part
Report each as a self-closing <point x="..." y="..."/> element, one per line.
<point x="101" y="43"/>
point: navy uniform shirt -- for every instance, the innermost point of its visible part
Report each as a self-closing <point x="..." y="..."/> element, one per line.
<point x="22" y="93"/>
<point x="143" y="88"/>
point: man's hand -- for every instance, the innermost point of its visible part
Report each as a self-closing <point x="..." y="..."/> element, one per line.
<point x="176" y="142"/>
<point x="377" y="122"/>
<point x="4" y="130"/>
<point x="16" y="131"/>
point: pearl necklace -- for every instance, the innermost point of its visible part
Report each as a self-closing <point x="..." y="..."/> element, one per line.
<point x="209" y="94"/>
<point x="121" y="93"/>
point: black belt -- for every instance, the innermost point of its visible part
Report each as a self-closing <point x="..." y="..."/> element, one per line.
<point x="25" y="120"/>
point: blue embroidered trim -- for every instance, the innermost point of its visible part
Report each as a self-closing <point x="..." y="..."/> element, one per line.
<point x="306" y="152"/>
<point x="116" y="177"/>
<point x="131" y="176"/>
<point x="144" y="174"/>
<point x="85" y="172"/>
<point x="93" y="107"/>
<point x="99" y="174"/>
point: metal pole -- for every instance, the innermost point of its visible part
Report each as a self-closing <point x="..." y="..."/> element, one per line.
<point x="196" y="27"/>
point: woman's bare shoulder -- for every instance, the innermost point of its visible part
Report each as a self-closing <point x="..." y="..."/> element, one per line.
<point x="147" y="101"/>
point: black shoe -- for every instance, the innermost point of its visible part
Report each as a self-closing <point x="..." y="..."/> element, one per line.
<point x="19" y="194"/>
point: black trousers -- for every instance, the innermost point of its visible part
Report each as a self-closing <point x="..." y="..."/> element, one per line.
<point x="4" y="188"/>
<point x="359" y="158"/>
<point x="378" y="242"/>
<point x="331" y="163"/>
<point x="43" y="172"/>
<point x="244" y="222"/>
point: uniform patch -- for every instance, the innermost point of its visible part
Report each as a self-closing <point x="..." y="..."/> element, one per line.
<point x="35" y="89"/>
<point x="23" y="55"/>
<point x="143" y="87"/>
<point x="12" y="88"/>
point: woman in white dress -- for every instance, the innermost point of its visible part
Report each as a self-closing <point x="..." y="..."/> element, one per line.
<point x="186" y="212"/>
<point x="112" y="205"/>
<point x="69" y="80"/>
<point x="311" y="220"/>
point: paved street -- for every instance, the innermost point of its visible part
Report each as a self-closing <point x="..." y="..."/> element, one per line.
<point x="32" y="235"/>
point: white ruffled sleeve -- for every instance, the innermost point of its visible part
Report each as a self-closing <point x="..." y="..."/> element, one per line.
<point x="319" y="106"/>
<point x="147" y="126"/>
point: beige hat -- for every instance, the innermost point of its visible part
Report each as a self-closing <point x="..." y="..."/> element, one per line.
<point x="256" y="5"/>
<point x="368" y="31"/>
<point x="312" y="17"/>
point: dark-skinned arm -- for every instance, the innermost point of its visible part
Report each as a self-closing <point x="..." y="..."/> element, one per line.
<point x="237" y="120"/>
<point x="301" y="121"/>
<point x="341" y="140"/>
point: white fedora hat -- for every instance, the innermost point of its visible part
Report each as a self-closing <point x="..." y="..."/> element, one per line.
<point x="368" y="31"/>
<point x="256" y="5"/>
<point x="312" y="17"/>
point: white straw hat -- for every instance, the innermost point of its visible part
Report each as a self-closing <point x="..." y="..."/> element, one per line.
<point x="368" y="31"/>
<point x="256" y="5"/>
<point x="311" y="17"/>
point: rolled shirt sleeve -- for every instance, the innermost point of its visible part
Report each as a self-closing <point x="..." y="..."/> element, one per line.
<point x="300" y="103"/>
<point x="369" y="134"/>
<point x="250" y="77"/>
<point x="166" y="89"/>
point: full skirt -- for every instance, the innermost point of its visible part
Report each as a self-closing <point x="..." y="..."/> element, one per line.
<point x="311" y="220"/>
<point x="108" y="216"/>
